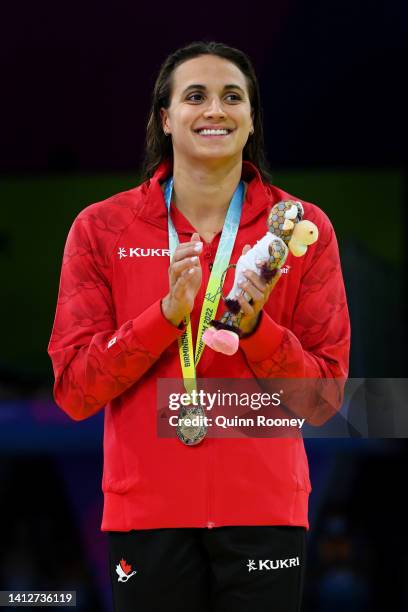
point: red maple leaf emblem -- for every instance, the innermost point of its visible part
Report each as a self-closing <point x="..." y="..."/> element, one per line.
<point x="126" y="568"/>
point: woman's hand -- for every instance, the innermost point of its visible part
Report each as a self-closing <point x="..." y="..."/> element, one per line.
<point x="185" y="277"/>
<point x="259" y="290"/>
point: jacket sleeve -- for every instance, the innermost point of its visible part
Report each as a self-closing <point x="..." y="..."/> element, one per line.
<point x="318" y="343"/>
<point x="93" y="360"/>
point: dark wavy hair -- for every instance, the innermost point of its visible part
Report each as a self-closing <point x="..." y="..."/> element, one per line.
<point x="158" y="146"/>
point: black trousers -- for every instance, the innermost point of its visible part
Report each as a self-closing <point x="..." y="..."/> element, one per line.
<point x="224" y="569"/>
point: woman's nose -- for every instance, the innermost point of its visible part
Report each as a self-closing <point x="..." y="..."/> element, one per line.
<point x="215" y="109"/>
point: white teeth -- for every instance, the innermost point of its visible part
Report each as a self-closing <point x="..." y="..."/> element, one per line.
<point x="213" y="132"/>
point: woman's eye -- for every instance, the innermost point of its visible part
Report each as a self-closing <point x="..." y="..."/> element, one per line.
<point x="193" y="97"/>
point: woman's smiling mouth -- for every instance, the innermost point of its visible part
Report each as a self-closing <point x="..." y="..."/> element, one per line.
<point x="213" y="132"/>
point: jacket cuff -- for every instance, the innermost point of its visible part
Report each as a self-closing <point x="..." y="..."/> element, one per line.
<point x="151" y="330"/>
<point x="264" y="340"/>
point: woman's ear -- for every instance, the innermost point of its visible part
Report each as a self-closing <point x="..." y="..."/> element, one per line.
<point x="165" y="121"/>
<point x="252" y="130"/>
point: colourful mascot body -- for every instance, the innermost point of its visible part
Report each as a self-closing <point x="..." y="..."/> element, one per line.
<point x="287" y="231"/>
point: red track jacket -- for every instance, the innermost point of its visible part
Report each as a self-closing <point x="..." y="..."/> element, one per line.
<point x="110" y="343"/>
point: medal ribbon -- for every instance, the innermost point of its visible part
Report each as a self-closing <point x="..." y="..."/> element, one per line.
<point x="188" y="359"/>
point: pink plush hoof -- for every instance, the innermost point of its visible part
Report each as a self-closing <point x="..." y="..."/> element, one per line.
<point x="208" y="335"/>
<point x="221" y="340"/>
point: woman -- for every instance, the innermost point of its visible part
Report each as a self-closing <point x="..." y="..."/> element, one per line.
<point x="221" y="524"/>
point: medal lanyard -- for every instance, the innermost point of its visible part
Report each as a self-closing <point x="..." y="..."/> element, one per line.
<point x="188" y="360"/>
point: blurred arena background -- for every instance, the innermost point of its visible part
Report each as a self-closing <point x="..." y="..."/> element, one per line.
<point x="77" y="81"/>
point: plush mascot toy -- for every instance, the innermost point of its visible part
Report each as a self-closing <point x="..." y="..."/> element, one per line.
<point x="286" y="232"/>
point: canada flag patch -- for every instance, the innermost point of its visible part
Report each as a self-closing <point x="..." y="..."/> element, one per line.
<point x="124" y="571"/>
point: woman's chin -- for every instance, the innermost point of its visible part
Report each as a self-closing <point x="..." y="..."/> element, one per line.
<point x="215" y="154"/>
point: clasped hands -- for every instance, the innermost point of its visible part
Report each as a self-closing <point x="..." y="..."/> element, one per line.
<point x="185" y="277"/>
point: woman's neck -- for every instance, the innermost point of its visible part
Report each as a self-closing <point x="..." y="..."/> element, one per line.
<point x="204" y="192"/>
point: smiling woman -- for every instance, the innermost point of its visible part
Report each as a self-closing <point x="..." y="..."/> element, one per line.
<point x="217" y="109"/>
<point x="209" y="124"/>
<point x="185" y="512"/>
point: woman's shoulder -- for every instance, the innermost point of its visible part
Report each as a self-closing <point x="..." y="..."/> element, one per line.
<point x="104" y="221"/>
<point x="121" y="202"/>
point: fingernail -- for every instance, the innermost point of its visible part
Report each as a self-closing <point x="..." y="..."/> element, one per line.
<point x="191" y="270"/>
<point x="194" y="259"/>
<point x="198" y="246"/>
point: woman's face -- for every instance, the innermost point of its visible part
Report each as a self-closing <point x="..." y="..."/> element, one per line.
<point x="208" y="92"/>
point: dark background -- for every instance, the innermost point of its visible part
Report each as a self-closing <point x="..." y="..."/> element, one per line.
<point x="77" y="81"/>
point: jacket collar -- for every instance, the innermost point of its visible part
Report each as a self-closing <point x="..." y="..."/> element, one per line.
<point x="259" y="195"/>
